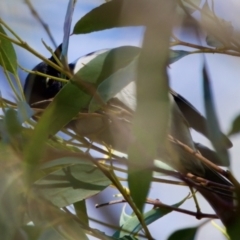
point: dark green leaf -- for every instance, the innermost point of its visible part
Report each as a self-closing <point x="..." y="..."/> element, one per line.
<point x="8" y="56"/>
<point x="108" y="15"/>
<point x="72" y="184"/>
<point x="213" y="127"/>
<point x="184" y="234"/>
<point x="235" y="126"/>
<point x="81" y="211"/>
<point x="176" y="55"/>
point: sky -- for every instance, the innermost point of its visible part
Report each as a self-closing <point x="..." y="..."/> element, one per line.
<point x="185" y="78"/>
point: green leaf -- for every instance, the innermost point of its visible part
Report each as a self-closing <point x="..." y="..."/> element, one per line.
<point x="121" y="78"/>
<point x="81" y="211"/>
<point x="235" y="126"/>
<point x="8" y="55"/>
<point x="151" y="117"/>
<point x="213" y="127"/>
<point x="71" y="184"/>
<point x="132" y="225"/>
<point x="184" y="234"/>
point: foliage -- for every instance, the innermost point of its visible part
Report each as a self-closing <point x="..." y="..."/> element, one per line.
<point x="42" y="173"/>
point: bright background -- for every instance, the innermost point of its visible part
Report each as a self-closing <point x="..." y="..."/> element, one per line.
<point x="185" y="78"/>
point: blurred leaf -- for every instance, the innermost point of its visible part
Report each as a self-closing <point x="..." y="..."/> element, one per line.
<point x="8" y="56"/>
<point x="184" y="234"/>
<point x="67" y="28"/>
<point x="72" y="184"/>
<point x="81" y="211"/>
<point x="12" y="204"/>
<point x="151" y="117"/>
<point x="11" y="123"/>
<point x="24" y="112"/>
<point x="219" y="31"/>
<point x="132" y="225"/>
<point x="213" y="127"/>
<point x="44" y="214"/>
<point x="235" y="126"/>
<point x="40" y="233"/>
<point x="189" y="5"/>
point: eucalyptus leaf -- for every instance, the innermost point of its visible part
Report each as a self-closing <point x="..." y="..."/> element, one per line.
<point x="213" y="127"/>
<point x="72" y="184"/>
<point x="186" y="234"/>
<point x="8" y="56"/>
<point x="114" y="85"/>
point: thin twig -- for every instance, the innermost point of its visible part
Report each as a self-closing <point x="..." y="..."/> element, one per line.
<point x="162" y="205"/>
<point x="37" y="16"/>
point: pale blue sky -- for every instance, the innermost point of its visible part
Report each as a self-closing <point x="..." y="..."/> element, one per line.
<point x="185" y="77"/>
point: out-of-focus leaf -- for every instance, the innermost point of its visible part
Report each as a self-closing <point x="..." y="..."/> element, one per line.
<point x="151" y="117"/>
<point x="186" y="234"/>
<point x="81" y="211"/>
<point x="219" y="31"/>
<point x="11" y="122"/>
<point x="72" y="184"/>
<point x="213" y="127"/>
<point x="132" y="225"/>
<point x="67" y="28"/>
<point x="189" y="5"/>
<point x="235" y="126"/>
<point x="8" y="56"/>
<point x="24" y="112"/>
<point x="12" y="206"/>
<point x="44" y="214"/>
<point x="40" y="233"/>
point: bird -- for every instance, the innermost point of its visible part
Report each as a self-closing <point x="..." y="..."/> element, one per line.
<point x="117" y="129"/>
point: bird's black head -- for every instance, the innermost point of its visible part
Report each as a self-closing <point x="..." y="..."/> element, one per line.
<point x="38" y="88"/>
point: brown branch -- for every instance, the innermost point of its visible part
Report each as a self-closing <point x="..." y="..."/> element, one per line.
<point x="157" y="203"/>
